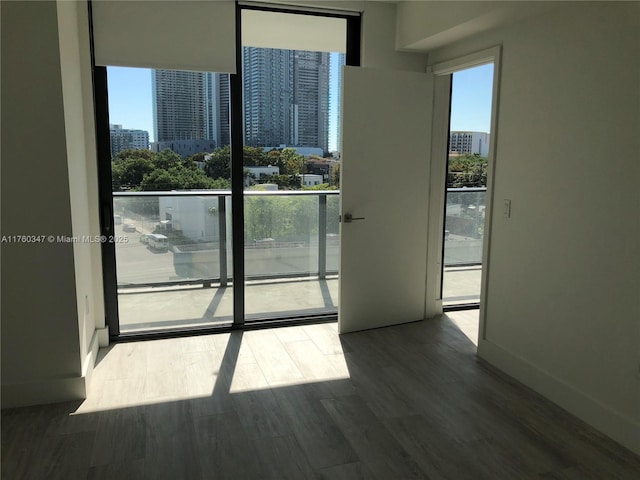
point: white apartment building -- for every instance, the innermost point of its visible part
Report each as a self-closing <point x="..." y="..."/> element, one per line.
<point x="469" y="142"/>
<point x="124" y="138"/>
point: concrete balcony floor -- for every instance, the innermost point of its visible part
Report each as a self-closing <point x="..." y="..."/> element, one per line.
<point x="170" y="307"/>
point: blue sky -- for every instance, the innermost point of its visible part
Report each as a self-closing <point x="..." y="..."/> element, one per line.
<point x="471" y="99"/>
<point x="130" y="99"/>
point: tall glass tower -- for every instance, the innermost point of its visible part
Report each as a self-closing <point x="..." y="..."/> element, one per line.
<point x="190" y="106"/>
<point x="286" y="98"/>
<point x="179" y="107"/>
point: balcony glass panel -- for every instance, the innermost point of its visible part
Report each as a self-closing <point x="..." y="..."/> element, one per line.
<point x="172" y="246"/>
<point x="464" y="234"/>
<point x="286" y="256"/>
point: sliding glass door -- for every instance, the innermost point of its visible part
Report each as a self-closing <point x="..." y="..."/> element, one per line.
<point x="169" y="136"/>
<point x="222" y="190"/>
<point x="292" y="75"/>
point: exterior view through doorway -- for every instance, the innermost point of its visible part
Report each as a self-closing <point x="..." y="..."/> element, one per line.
<point x="466" y="184"/>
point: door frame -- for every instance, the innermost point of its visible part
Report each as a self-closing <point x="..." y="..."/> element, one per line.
<point x="443" y="72"/>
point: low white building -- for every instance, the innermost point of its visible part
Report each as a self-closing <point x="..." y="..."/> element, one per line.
<point x="260" y="172"/>
<point x="469" y="142"/>
<point x="310" y="179"/>
<point x="195" y="217"/>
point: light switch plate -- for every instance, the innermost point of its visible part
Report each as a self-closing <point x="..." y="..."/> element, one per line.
<point x="506" y="208"/>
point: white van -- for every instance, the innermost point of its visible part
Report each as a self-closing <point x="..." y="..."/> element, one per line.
<point x="158" y="242"/>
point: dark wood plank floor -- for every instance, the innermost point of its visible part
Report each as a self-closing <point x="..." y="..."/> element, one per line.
<point x="405" y="402"/>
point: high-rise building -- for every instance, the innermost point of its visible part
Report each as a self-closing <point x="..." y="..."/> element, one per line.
<point x="217" y="108"/>
<point x="267" y="96"/>
<point x="286" y="102"/>
<point x="469" y="142"/>
<point x="286" y="98"/>
<point x="190" y="110"/>
<point x="124" y="138"/>
<point x="179" y="105"/>
<point x="311" y="99"/>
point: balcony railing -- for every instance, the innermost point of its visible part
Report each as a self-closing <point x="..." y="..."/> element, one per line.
<point x="287" y="234"/>
<point x="464" y="226"/>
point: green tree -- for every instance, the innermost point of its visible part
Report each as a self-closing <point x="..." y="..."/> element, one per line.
<point x="128" y="173"/>
<point x="468" y="170"/>
<point x="134" y="153"/>
<point x="254" y="156"/>
<point x="274" y="158"/>
<point x="167" y="159"/>
<point x="219" y="163"/>
<point x="293" y="163"/>
<point x="177" y="178"/>
<point x="322" y="186"/>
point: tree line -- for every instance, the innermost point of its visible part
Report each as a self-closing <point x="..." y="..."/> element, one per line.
<point x="144" y="170"/>
<point x="468" y="170"/>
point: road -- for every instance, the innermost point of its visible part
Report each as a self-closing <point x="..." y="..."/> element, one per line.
<point x="137" y="264"/>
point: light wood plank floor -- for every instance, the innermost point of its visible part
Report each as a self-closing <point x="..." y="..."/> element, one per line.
<point x="404" y="402"/>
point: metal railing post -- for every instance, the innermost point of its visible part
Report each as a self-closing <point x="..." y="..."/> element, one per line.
<point x="222" y="239"/>
<point x="322" y="235"/>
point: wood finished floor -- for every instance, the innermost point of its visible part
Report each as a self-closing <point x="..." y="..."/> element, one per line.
<point x="405" y="402"/>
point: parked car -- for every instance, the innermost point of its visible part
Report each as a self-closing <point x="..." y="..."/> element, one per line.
<point x="129" y="227"/>
<point x="158" y="242"/>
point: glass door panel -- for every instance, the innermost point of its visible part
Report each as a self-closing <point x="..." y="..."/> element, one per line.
<point x="471" y="95"/>
<point x="171" y="198"/>
<point x="291" y="166"/>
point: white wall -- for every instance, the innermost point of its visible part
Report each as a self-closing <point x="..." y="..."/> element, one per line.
<point x="425" y="25"/>
<point x="379" y="40"/>
<point x="52" y="292"/>
<point x="561" y="311"/>
<point x="41" y="355"/>
<point x="77" y="91"/>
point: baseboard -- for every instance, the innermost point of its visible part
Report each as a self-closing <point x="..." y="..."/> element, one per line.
<point x="618" y="427"/>
<point x="41" y="392"/>
<point x="90" y="359"/>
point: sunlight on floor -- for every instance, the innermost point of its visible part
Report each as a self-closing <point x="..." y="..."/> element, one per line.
<point x="468" y="323"/>
<point x="206" y="366"/>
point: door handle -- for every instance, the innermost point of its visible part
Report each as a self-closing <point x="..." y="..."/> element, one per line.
<point x="348" y="218"/>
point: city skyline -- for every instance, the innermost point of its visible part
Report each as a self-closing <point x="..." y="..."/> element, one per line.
<point x="140" y="98"/>
<point x="130" y="99"/>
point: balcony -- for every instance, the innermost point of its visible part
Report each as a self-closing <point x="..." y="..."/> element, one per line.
<point x="291" y="255"/>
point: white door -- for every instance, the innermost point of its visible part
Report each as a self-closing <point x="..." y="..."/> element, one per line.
<point x="385" y="189"/>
